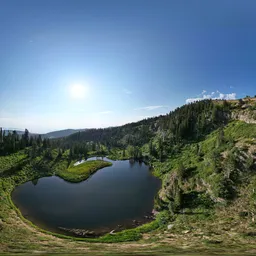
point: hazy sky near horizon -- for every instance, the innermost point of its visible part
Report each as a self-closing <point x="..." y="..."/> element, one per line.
<point x="91" y="63"/>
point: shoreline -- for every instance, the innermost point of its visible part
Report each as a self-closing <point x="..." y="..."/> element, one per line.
<point x="101" y="237"/>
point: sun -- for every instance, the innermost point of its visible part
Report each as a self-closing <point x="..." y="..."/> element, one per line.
<point x="78" y="91"/>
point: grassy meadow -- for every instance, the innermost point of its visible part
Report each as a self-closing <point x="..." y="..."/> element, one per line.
<point x="82" y="171"/>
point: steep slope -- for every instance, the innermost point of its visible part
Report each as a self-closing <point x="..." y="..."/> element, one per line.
<point x="204" y="151"/>
<point x="186" y="123"/>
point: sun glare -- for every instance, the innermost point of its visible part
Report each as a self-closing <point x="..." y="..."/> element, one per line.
<point x="78" y="91"/>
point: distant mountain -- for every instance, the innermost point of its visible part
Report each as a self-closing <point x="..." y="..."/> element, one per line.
<point x="50" y="135"/>
<point x="18" y="132"/>
<point x="61" y="133"/>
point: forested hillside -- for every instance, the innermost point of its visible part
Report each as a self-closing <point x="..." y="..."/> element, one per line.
<point x="206" y="130"/>
<point x="186" y="123"/>
<point x="204" y="152"/>
<point x="161" y="135"/>
<point x="199" y="149"/>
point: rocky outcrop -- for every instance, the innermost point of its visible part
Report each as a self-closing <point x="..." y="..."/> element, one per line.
<point x="1" y="224"/>
<point x="79" y="232"/>
<point x="245" y="116"/>
<point x="211" y="194"/>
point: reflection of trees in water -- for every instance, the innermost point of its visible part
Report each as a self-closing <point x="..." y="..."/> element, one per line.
<point x="35" y="181"/>
<point x="132" y="162"/>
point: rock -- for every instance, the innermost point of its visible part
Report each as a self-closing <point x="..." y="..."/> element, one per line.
<point x="170" y="226"/>
<point x="90" y="232"/>
<point x="185" y="231"/>
<point x="79" y="232"/>
<point x="1" y="224"/>
<point x="154" y="212"/>
<point x="245" y="106"/>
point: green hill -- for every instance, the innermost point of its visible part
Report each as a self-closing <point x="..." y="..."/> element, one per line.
<point x="205" y="154"/>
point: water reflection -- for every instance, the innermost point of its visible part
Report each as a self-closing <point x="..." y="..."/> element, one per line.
<point x="113" y="196"/>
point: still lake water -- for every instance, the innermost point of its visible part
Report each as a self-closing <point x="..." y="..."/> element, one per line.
<point x="115" y="195"/>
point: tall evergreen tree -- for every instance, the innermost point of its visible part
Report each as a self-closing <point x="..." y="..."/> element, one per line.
<point x="1" y="135"/>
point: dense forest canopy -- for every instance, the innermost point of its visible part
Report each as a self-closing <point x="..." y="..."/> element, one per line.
<point x="187" y="123"/>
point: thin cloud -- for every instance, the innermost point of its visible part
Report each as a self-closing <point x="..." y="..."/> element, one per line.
<point x="126" y="91"/>
<point x="149" y="108"/>
<point x="214" y="96"/>
<point x="105" y="112"/>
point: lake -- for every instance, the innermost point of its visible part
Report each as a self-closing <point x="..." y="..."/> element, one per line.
<point x="115" y="197"/>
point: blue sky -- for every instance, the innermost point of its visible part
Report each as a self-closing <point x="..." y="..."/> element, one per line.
<point x="78" y="64"/>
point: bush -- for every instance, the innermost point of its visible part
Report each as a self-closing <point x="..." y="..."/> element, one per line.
<point x="163" y="218"/>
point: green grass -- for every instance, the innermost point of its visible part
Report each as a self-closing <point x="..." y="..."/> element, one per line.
<point x="203" y="161"/>
<point x="236" y="130"/>
<point x="117" y="154"/>
<point x="198" y="220"/>
<point x="240" y="130"/>
<point x="82" y="171"/>
<point x="12" y="161"/>
<point x="28" y="172"/>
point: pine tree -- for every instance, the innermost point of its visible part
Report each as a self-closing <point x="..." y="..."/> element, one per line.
<point x="59" y="152"/>
<point x="220" y="137"/>
<point x="1" y="135"/>
<point x="45" y="143"/>
<point x="26" y="137"/>
<point x="160" y="149"/>
<point x="151" y="149"/>
<point x="39" y="141"/>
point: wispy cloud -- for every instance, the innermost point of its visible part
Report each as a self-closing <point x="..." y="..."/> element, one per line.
<point x="127" y="91"/>
<point x="105" y="112"/>
<point x="213" y="95"/>
<point x="151" y="107"/>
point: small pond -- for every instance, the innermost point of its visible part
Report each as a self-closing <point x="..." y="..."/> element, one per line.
<point x="115" y="197"/>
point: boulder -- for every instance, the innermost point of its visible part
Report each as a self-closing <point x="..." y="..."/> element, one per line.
<point x="1" y="224"/>
<point x="170" y="226"/>
<point x="154" y="212"/>
<point x="112" y="232"/>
